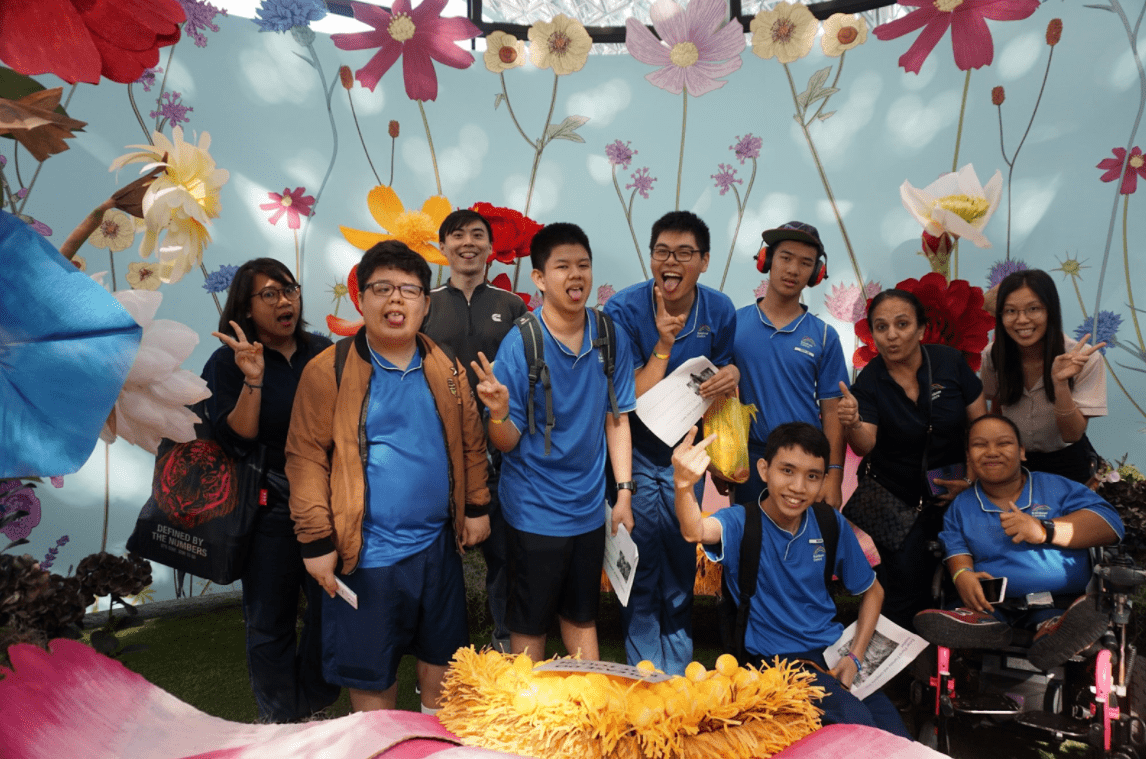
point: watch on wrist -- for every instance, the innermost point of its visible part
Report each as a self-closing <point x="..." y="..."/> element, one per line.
<point x="629" y="485"/>
<point x="1048" y="525"/>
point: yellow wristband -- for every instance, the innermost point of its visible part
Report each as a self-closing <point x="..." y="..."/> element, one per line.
<point x="661" y="356"/>
<point x="499" y="421"/>
<point x="957" y="573"/>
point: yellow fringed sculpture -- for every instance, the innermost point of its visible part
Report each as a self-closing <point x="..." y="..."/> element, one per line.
<point x="497" y="701"/>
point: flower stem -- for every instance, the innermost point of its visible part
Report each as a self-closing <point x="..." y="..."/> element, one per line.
<point x="393" y="146"/>
<point x="138" y="115"/>
<point x="835" y="81"/>
<point x="215" y="296"/>
<point x="297" y="259"/>
<point x="1014" y="159"/>
<point x="430" y="139"/>
<point x="163" y="83"/>
<point x="363" y="141"/>
<point x="32" y="184"/>
<point x="512" y="115"/>
<point x="680" y="164"/>
<point x="537" y="151"/>
<point x="629" y="218"/>
<point x="739" y="217"/>
<point x="328" y="93"/>
<point x="962" y="112"/>
<point x="106" y="494"/>
<point x="1126" y="264"/>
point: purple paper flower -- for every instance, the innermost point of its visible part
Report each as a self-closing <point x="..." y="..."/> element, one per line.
<point x="642" y="182"/>
<point x="200" y="16"/>
<point x="219" y="280"/>
<point x="620" y="154"/>
<point x="1105" y="332"/>
<point x="284" y="15"/>
<point x="172" y="109"/>
<point x="726" y="177"/>
<point x="57" y="481"/>
<point x="53" y="552"/>
<point x="3" y="161"/>
<point x="696" y="46"/>
<point x="147" y="78"/>
<point x="1002" y="269"/>
<point x="16" y="496"/>
<point x="21" y="193"/>
<point x="747" y="147"/>
<point x="39" y="226"/>
<point x="604" y="292"/>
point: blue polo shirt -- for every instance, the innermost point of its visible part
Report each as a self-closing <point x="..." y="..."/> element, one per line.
<point x="791" y="611"/>
<point x="971" y="527"/>
<point x="708" y="331"/>
<point x="407" y="482"/>
<point x="562" y="494"/>
<point x="786" y="372"/>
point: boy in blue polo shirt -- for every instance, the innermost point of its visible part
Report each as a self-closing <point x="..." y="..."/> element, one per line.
<point x="791" y="363"/>
<point x="669" y="319"/>
<point x="791" y="614"/>
<point x="553" y="492"/>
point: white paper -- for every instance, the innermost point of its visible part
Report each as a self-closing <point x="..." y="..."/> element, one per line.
<point x="891" y="649"/>
<point x="673" y="405"/>
<point x="620" y="558"/>
<point x="346" y="593"/>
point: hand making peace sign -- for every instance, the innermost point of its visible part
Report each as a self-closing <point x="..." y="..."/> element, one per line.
<point x="490" y="391"/>
<point x="248" y="356"/>
<point x="1067" y="365"/>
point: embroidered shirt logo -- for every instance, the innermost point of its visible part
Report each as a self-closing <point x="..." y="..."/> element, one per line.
<point x="703" y="331"/>
<point x="936" y="391"/>
<point x="807" y="346"/>
<point x="496" y="317"/>
<point x="819" y="554"/>
<point x="1040" y="511"/>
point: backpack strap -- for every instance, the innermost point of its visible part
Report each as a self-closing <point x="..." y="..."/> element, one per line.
<point x="533" y="341"/>
<point x="748" y="569"/>
<point x="606" y="342"/>
<point x="341" y="351"/>
<point x="830" y="532"/>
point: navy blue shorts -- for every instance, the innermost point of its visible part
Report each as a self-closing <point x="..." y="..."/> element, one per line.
<point x="417" y="606"/>
<point x="552" y="575"/>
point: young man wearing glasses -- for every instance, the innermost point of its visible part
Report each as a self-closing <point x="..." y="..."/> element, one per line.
<point x="668" y="319"/>
<point x="402" y="412"/>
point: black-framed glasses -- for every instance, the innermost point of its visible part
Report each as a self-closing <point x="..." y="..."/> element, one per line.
<point x="382" y="289"/>
<point x="682" y="255"/>
<point x="1032" y="312"/>
<point x="271" y="295"/>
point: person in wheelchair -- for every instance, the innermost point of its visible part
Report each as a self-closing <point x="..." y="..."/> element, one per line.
<point x="1032" y="528"/>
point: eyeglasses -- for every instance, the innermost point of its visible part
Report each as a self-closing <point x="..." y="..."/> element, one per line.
<point x="1032" y="312"/>
<point x="382" y="289"/>
<point x="271" y="295"/>
<point x="682" y="255"/>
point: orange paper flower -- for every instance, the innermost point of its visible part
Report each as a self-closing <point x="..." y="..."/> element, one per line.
<point x="418" y="229"/>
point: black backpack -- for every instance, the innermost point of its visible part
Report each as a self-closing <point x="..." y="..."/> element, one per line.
<point x="533" y="340"/>
<point x="734" y="615"/>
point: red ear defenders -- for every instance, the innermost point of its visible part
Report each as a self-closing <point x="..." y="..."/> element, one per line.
<point x="819" y="268"/>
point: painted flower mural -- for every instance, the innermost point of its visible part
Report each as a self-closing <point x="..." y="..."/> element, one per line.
<point x="956" y="203"/>
<point x="697" y="45"/>
<point x="512" y="232"/>
<point x="786" y="32"/>
<point x="503" y="52"/>
<point x="842" y="32"/>
<point x="284" y="15"/>
<point x="344" y="327"/>
<point x="1134" y="167"/>
<point x="418" y="229"/>
<point x="290" y="202"/>
<point x="561" y="44"/>
<point x="1105" y="331"/>
<point x="116" y="231"/>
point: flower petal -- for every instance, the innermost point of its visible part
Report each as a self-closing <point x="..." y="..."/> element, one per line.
<point x="384" y="205"/>
<point x="419" y="75"/>
<point x="364" y="240"/>
<point x="670" y="21"/>
<point x="1007" y="10"/>
<point x="971" y="41"/>
<point x="343" y="327"/>
<point x="437" y="207"/>
<point x="909" y="23"/>
<point x="643" y="46"/>
<point x="670" y="78"/>
<point x="913" y="59"/>
<point x="370" y="74"/>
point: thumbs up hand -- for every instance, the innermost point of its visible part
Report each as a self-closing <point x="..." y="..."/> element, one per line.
<point x="847" y="410"/>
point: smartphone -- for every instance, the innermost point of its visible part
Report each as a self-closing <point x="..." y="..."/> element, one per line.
<point x="949" y="472"/>
<point x="994" y="589"/>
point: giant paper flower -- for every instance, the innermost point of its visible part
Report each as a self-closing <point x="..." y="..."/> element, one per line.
<point x="501" y="282"/>
<point x="17" y="496"/>
<point x="34" y="122"/>
<point x="561" y="44"/>
<point x="848" y="303"/>
<point x="955" y="317"/>
<point x="512" y="231"/>
<point x="955" y="203"/>
<point x="290" y="202"/>
<point x="78" y="40"/>
<point x="1135" y="167"/>
<point x="180" y="203"/>
<point x="696" y="45"/>
<point x="342" y="327"/>
<point x="970" y="38"/>
<point x="418" y="35"/>
<point x="153" y="402"/>
<point x="786" y="32"/>
<point x="418" y="229"/>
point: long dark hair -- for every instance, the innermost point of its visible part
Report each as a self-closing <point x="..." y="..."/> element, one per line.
<point x="239" y="294"/>
<point x="1005" y="353"/>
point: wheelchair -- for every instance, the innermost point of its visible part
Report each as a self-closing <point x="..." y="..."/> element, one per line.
<point x="1098" y="697"/>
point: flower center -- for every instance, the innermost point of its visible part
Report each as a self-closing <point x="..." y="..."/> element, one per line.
<point x="684" y="54"/>
<point x="1072" y="267"/>
<point x="286" y="201"/>
<point x="401" y="28"/>
<point x="782" y="30"/>
<point x="947" y="6"/>
<point x="109" y="229"/>
<point x="847" y="35"/>
<point x="507" y="54"/>
<point x="559" y="43"/>
<point x="413" y="227"/>
<point x="1136" y="161"/>
<point x="967" y="208"/>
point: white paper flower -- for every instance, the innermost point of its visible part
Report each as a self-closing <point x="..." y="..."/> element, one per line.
<point x="116" y="231"/>
<point x="955" y="203"/>
<point x="152" y="404"/>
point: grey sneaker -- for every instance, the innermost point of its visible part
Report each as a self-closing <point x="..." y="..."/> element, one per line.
<point x="1060" y="638"/>
<point x="962" y="628"/>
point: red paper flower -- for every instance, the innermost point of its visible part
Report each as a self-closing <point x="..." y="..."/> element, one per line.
<point x="292" y="203"/>
<point x="343" y="327"/>
<point x="501" y="282"/>
<point x="419" y="36"/>
<point x="955" y="317"/>
<point x="77" y="40"/>
<point x="1135" y="166"/>
<point x="512" y="232"/>
<point x="970" y="38"/>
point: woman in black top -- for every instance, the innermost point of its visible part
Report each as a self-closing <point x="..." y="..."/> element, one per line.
<point x="253" y="378"/>
<point x="885" y="417"/>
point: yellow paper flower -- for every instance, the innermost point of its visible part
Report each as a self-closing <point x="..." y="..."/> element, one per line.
<point x="418" y="229"/>
<point x="561" y="44"/>
<point x="503" y="52"/>
<point x="116" y="231"/>
<point x="142" y="275"/>
<point x="180" y="203"/>
<point x="786" y="32"/>
<point x="842" y="32"/>
<point x="956" y="204"/>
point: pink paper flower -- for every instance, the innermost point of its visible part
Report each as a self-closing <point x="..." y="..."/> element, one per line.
<point x="416" y="35"/>
<point x="1134" y="167"/>
<point x="970" y="38"/>
<point x="695" y="46"/>
<point x="848" y="304"/>
<point x="291" y="202"/>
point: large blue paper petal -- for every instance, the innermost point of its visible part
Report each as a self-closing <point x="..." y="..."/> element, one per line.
<point x="66" y="346"/>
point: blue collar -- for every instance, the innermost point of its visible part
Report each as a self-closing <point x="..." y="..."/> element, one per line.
<point x="987" y="505"/>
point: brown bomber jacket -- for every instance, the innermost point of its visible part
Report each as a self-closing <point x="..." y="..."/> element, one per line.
<point x="326" y="455"/>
